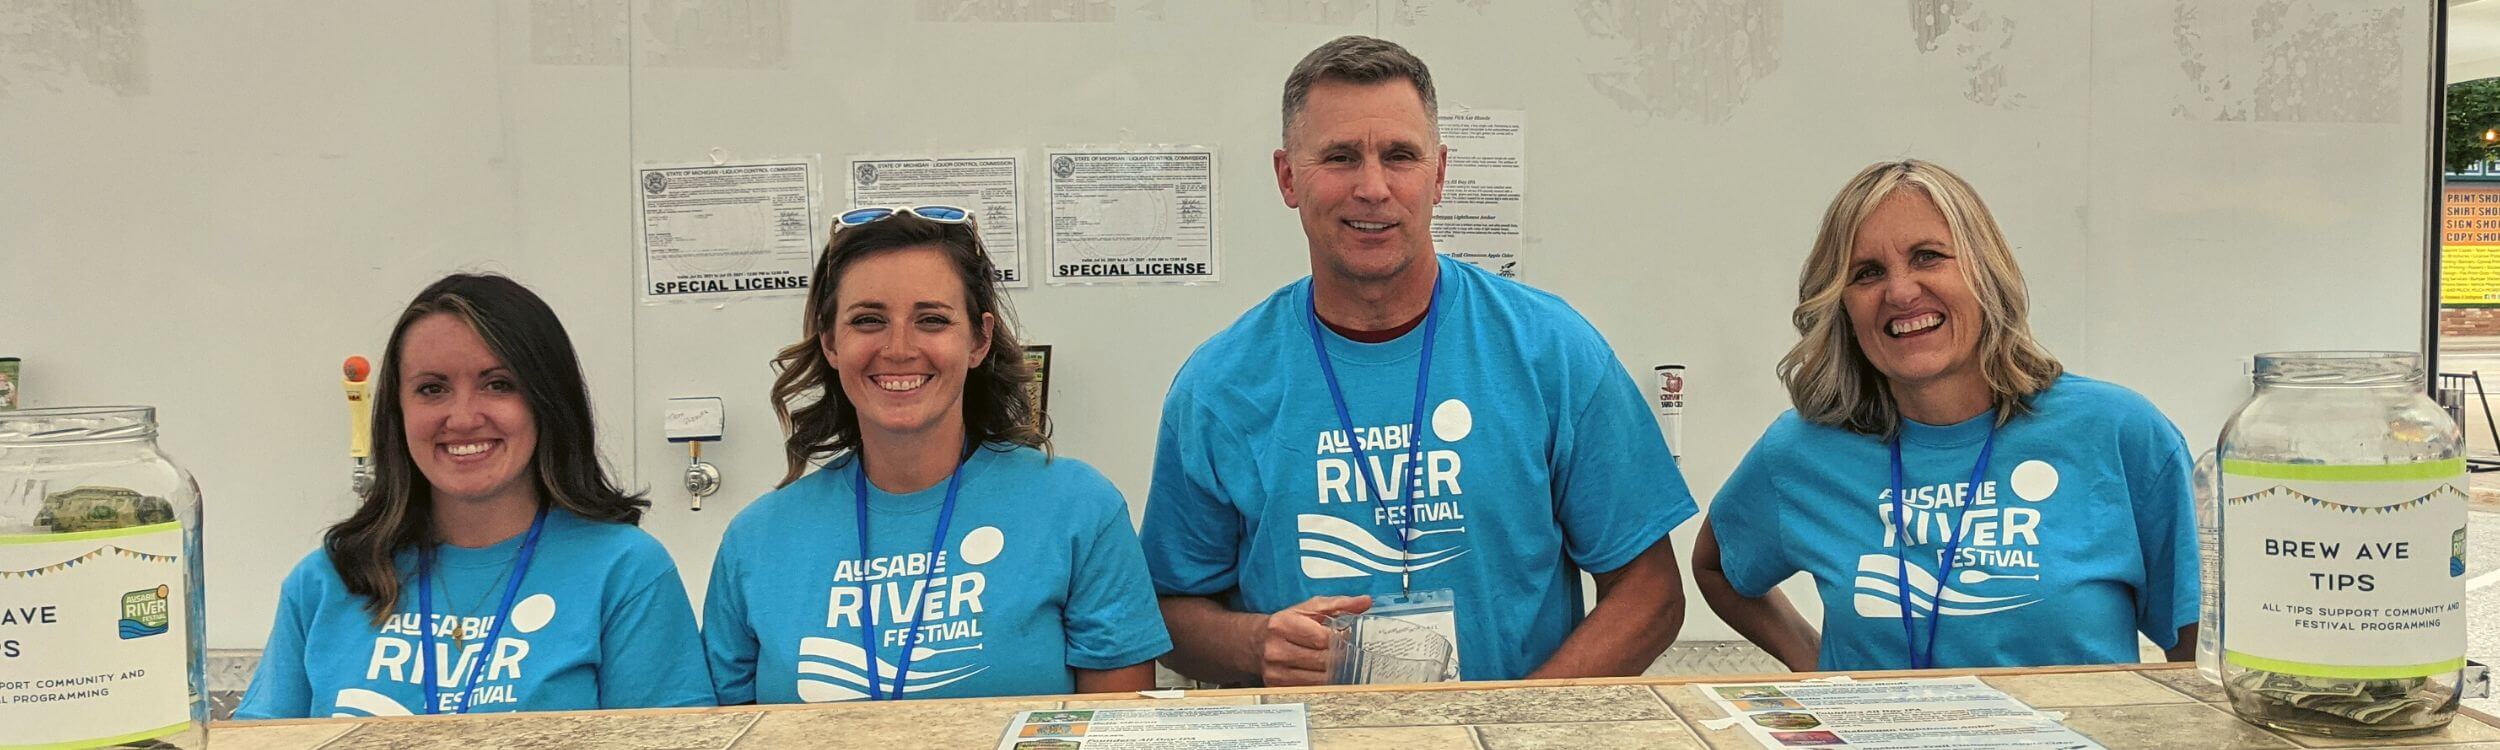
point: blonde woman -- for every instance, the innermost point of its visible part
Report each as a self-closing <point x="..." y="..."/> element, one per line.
<point x="1959" y="498"/>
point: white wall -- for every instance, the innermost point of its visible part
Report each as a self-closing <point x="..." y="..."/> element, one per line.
<point x="206" y="209"/>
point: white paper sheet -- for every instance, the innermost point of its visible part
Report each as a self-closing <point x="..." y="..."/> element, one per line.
<point x="989" y="184"/>
<point x="727" y="231"/>
<point x="1279" y="727"/>
<point x="1928" y="714"/>
<point x="1132" y="215"/>
<point x="1483" y="206"/>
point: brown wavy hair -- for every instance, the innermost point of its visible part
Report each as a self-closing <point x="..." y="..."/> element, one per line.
<point x="817" y="418"/>
<point x="1829" y="378"/>
<point x="397" y="512"/>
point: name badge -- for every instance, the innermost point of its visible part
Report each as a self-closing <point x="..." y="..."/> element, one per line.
<point x="1432" y="609"/>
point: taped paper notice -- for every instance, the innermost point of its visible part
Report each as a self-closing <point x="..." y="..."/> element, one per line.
<point x="730" y="231"/>
<point x="1132" y="215"/>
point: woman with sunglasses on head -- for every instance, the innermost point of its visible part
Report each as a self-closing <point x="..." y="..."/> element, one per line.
<point x="1958" y="497"/>
<point x="940" y="552"/>
<point x="492" y="567"/>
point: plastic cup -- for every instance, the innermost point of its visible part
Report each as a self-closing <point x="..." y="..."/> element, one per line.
<point x="1370" y="650"/>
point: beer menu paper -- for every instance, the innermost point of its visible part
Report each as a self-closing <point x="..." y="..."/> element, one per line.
<point x="1228" y="727"/>
<point x="1959" y="712"/>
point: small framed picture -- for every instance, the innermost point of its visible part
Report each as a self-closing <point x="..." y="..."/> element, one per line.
<point x="1038" y="355"/>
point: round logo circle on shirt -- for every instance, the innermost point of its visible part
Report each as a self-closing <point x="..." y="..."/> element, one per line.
<point x="533" y="613"/>
<point x="982" y="545"/>
<point x="2035" y="480"/>
<point x="1451" y="421"/>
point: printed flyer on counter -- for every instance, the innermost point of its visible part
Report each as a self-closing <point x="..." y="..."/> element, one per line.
<point x="1281" y="727"/>
<point x="1958" y="712"/>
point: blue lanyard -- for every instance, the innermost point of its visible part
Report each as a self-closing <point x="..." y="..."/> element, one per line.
<point x="1415" y="427"/>
<point x="425" y="618"/>
<point x="1953" y="545"/>
<point x="920" y="609"/>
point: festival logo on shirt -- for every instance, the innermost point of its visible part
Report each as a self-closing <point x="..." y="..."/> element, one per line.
<point x="1335" y="547"/>
<point x="892" y="590"/>
<point x="459" y="646"/>
<point x="1996" y="568"/>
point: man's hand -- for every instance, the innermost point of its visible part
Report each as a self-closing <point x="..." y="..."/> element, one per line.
<point x="1293" y="648"/>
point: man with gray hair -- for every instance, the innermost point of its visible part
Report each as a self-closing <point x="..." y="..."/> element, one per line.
<point x="1404" y="434"/>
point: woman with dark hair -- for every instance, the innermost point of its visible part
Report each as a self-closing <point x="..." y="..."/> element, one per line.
<point x="941" y="553"/>
<point x="492" y="566"/>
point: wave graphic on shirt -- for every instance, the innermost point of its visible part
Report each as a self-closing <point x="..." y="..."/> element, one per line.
<point x="1879" y="592"/>
<point x="833" y="670"/>
<point x="359" y="702"/>
<point x="1333" y="547"/>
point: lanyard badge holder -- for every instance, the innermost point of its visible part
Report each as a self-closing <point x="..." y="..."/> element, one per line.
<point x="1433" y="609"/>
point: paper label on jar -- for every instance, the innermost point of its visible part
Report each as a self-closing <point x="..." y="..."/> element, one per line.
<point x="2352" y="572"/>
<point x="92" y="633"/>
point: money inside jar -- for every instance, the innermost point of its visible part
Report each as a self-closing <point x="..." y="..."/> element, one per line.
<point x="2397" y="702"/>
<point x="100" y="509"/>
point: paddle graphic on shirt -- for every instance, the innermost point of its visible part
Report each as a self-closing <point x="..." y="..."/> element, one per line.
<point x="1333" y="547"/>
<point x="1879" y="592"/>
<point x="837" y="670"/>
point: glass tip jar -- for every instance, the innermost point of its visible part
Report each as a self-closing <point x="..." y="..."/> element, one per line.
<point x="2343" y="506"/>
<point x="101" y="641"/>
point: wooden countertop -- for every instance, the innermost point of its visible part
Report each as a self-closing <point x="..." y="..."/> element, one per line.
<point x="2122" y="706"/>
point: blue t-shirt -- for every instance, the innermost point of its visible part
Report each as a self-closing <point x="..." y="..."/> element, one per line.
<point x="1039" y="575"/>
<point x="2081" y="534"/>
<point x="601" y="621"/>
<point x="1540" y="459"/>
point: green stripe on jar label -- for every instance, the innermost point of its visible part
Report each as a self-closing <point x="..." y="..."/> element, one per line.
<point x="2442" y="469"/>
<point x="7" y="539"/>
<point x="2340" y="671"/>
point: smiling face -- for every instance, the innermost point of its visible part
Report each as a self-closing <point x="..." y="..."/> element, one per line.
<point x="1364" y="168"/>
<point x="469" y="429"/>
<point x="1910" y="308"/>
<point x="902" y="339"/>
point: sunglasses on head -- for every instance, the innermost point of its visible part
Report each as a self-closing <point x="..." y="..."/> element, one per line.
<point x="939" y="214"/>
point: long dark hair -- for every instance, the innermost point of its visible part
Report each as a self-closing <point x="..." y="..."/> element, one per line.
<point x="397" y="511"/>
<point x="817" y="417"/>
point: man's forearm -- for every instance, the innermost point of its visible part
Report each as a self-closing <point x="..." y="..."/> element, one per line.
<point x="1211" y="643"/>
<point x="1640" y="608"/>
<point x="1622" y="636"/>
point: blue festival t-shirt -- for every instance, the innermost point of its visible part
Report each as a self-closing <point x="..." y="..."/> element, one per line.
<point x="2080" y="535"/>
<point x="601" y="620"/>
<point x="1539" y="459"/>
<point x="1039" y="575"/>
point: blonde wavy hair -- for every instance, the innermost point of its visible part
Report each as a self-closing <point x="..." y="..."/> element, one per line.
<point x="1829" y="378"/>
